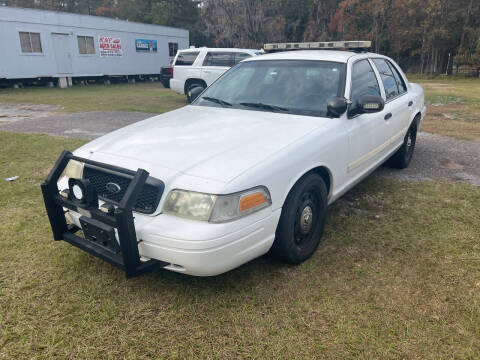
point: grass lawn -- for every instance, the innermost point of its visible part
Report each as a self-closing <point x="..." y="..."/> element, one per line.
<point x="453" y="107"/>
<point x="145" y="97"/>
<point x="397" y="276"/>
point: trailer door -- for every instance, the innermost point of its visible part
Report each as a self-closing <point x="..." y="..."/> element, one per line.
<point x="63" y="56"/>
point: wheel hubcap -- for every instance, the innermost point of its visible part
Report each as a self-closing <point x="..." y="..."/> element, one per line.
<point x="409" y="141"/>
<point x="306" y="219"/>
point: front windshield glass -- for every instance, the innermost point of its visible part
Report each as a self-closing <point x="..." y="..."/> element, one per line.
<point x="287" y="86"/>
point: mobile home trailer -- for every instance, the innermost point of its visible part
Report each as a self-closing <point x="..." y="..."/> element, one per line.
<point x="39" y="44"/>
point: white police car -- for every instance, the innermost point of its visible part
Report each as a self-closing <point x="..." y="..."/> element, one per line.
<point x="249" y="167"/>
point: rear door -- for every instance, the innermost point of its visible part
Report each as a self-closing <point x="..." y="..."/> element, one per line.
<point x="215" y="64"/>
<point x="397" y="107"/>
<point x="183" y="68"/>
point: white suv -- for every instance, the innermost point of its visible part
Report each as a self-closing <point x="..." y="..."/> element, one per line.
<point x="202" y="66"/>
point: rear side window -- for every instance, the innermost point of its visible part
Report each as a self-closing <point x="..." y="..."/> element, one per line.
<point x="364" y="81"/>
<point x="224" y="59"/>
<point x="400" y="83"/>
<point x="388" y="79"/>
<point x="186" y="58"/>
<point x="240" y="56"/>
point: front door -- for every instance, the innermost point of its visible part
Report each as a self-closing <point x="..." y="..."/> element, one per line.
<point x="63" y="56"/>
<point x="366" y="132"/>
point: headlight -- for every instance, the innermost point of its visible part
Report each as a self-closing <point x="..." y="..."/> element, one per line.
<point x="73" y="170"/>
<point x="216" y="208"/>
<point x="189" y="204"/>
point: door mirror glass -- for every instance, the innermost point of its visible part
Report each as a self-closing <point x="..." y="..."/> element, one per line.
<point x="336" y="106"/>
<point x="369" y="104"/>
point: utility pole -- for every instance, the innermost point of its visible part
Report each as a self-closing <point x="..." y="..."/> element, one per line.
<point x="448" y="63"/>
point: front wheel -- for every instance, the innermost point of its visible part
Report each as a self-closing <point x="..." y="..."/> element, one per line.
<point x="302" y="221"/>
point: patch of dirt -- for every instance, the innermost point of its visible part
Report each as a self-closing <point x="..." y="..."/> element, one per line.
<point x="440" y="158"/>
<point x="15" y="112"/>
<point x="450" y="164"/>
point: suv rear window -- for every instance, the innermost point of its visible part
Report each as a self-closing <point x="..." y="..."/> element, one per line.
<point x="186" y="58"/>
<point x="218" y="59"/>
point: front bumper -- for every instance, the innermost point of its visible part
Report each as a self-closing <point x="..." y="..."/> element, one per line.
<point x="187" y="246"/>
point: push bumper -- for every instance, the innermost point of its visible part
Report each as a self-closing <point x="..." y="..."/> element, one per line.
<point x="109" y="236"/>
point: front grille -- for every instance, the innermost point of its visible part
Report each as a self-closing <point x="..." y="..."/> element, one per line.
<point x="147" y="200"/>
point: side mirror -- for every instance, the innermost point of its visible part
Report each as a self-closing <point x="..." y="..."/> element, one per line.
<point x="369" y="104"/>
<point x="336" y="106"/>
<point x="195" y="92"/>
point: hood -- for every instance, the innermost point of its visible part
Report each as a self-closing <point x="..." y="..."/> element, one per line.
<point x="207" y="142"/>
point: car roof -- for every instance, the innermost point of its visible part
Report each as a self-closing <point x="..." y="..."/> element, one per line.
<point x="325" y="55"/>
<point x="218" y="49"/>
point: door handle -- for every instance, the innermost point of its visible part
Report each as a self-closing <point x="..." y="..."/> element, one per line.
<point x="410" y="103"/>
<point x="388" y="116"/>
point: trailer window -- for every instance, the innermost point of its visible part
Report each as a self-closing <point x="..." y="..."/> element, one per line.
<point x="85" y="45"/>
<point x="30" y="42"/>
<point x="172" y="49"/>
<point x="186" y="58"/>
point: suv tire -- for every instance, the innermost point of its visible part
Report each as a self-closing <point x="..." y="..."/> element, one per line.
<point x="191" y="87"/>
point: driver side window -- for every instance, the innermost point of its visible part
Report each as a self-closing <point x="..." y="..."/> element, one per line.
<point x="364" y="82"/>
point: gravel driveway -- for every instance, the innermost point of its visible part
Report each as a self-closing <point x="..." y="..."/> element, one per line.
<point x="88" y="125"/>
<point x="436" y="157"/>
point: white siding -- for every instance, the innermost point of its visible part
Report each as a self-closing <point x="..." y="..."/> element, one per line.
<point x="15" y="64"/>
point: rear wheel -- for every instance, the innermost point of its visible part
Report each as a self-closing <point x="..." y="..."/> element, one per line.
<point x="302" y="220"/>
<point x="401" y="159"/>
<point x="190" y="87"/>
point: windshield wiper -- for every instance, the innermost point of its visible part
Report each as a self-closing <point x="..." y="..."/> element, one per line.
<point x="218" y="101"/>
<point x="265" y="106"/>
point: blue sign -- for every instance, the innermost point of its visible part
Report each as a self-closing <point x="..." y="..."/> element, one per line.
<point x="146" y="45"/>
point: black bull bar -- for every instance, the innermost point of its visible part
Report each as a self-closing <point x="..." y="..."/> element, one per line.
<point x="99" y="226"/>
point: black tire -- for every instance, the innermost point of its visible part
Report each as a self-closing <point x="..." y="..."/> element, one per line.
<point x="191" y="87"/>
<point x="166" y="84"/>
<point x="401" y="159"/>
<point x="299" y="230"/>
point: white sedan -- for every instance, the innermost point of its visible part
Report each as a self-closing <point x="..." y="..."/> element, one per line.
<point x="249" y="167"/>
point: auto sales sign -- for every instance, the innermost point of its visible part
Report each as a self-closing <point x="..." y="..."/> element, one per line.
<point x="110" y="46"/>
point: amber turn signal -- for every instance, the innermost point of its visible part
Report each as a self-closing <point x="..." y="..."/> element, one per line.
<point x="251" y="201"/>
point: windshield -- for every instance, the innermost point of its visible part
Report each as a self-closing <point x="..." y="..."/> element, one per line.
<point x="300" y="87"/>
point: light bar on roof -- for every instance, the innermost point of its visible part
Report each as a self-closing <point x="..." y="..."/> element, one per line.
<point x="318" y="45"/>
